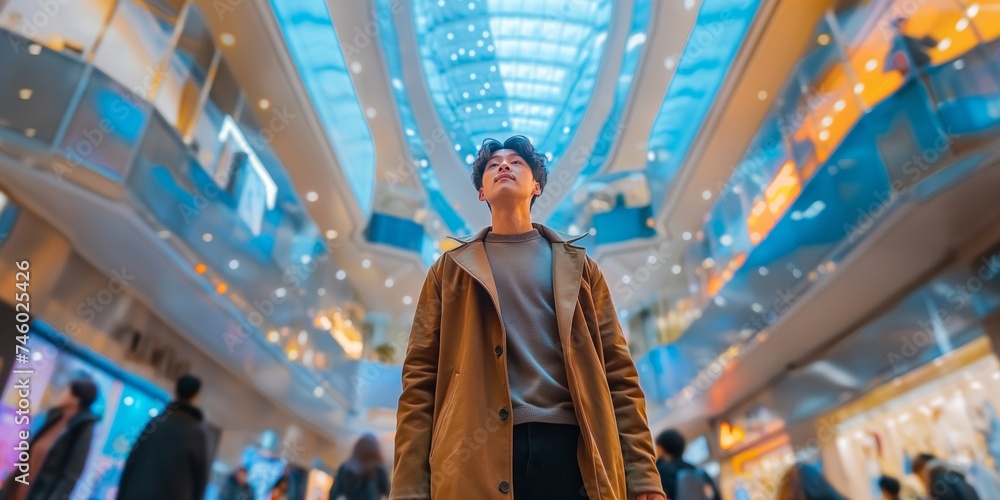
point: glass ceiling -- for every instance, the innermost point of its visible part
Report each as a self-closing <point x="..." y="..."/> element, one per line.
<point x="711" y="48"/>
<point x="567" y="213"/>
<point x="496" y="68"/>
<point x="415" y="141"/>
<point x="313" y="44"/>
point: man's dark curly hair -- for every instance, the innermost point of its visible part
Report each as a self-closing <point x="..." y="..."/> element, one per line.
<point x="522" y="146"/>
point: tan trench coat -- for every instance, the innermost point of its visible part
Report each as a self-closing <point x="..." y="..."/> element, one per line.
<point x="453" y="437"/>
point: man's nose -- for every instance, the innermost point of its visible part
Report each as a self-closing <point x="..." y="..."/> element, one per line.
<point x="504" y="166"/>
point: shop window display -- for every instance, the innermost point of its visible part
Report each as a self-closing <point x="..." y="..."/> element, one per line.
<point x="951" y="416"/>
<point x="757" y="472"/>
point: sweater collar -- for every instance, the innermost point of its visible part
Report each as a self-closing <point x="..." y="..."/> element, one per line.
<point x="550" y="234"/>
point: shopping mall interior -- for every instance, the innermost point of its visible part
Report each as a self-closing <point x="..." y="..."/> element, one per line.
<point x="794" y="204"/>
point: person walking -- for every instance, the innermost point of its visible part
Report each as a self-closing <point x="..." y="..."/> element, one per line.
<point x="169" y="460"/>
<point x="942" y="480"/>
<point x="805" y="482"/>
<point x="670" y="446"/>
<point x="363" y="476"/>
<point x="237" y="487"/>
<point x="60" y="448"/>
<point x="517" y="380"/>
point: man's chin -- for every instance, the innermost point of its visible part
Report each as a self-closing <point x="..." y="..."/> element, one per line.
<point x="507" y="197"/>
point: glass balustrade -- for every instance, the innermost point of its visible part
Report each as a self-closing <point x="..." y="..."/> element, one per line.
<point x="214" y="192"/>
<point x="888" y="94"/>
<point x="32" y="103"/>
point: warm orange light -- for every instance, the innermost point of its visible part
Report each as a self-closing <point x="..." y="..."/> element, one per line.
<point x="729" y="436"/>
<point x="200" y="268"/>
<point x="293" y="354"/>
<point x="221" y="288"/>
<point x="777" y="198"/>
<point x="714" y="285"/>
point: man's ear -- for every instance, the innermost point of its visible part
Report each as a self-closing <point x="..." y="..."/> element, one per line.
<point x="538" y="189"/>
<point x="482" y="194"/>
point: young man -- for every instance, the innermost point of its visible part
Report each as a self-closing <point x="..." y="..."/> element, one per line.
<point x="517" y="381"/>
<point x="169" y="460"/>
<point x="670" y="446"/>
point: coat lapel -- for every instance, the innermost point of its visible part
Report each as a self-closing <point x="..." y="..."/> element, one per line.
<point x="567" y="272"/>
<point x="472" y="257"/>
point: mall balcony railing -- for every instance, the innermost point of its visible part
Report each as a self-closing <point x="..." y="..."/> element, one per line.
<point x="61" y="113"/>
<point x="873" y="116"/>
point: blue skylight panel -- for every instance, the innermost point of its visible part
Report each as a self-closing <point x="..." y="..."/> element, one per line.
<point x="313" y="44"/>
<point x="714" y="42"/>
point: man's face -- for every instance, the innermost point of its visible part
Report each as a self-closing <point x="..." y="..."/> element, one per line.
<point x="508" y="180"/>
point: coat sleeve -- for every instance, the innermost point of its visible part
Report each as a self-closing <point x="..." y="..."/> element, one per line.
<point x="627" y="396"/>
<point x="76" y="460"/>
<point x="411" y="474"/>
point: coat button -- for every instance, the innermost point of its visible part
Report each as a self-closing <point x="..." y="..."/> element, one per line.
<point x="498" y="350"/>
<point x="504" y="486"/>
<point x="504" y="414"/>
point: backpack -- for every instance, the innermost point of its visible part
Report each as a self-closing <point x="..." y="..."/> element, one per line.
<point x="693" y="484"/>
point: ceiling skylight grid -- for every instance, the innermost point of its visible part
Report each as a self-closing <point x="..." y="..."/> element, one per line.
<point x="498" y="68"/>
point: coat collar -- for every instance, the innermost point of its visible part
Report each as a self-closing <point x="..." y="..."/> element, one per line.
<point x="567" y="270"/>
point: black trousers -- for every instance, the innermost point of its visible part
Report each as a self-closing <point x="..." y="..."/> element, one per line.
<point x="545" y="464"/>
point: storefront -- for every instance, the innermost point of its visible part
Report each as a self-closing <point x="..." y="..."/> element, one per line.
<point x="758" y="452"/>
<point x="319" y="485"/>
<point x="125" y="404"/>
<point x="947" y="408"/>
<point x="756" y="472"/>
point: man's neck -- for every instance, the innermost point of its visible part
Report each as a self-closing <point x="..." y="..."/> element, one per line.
<point x="515" y="221"/>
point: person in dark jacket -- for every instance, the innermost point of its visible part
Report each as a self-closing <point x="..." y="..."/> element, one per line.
<point x="170" y="459"/>
<point x="670" y="445"/>
<point x="363" y="476"/>
<point x="59" y="449"/>
<point x="237" y="487"/>
<point x="942" y="480"/>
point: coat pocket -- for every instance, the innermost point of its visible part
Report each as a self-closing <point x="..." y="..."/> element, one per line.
<point x="442" y="416"/>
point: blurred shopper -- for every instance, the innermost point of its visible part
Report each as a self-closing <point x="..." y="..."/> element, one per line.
<point x="237" y="487"/>
<point x="280" y="489"/>
<point x="983" y="479"/>
<point x="60" y="448"/>
<point x="890" y="487"/>
<point x="363" y="476"/>
<point x="942" y="480"/>
<point x="517" y="379"/>
<point x="681" y="480"/>
<point x="170" y="461"/>
<point x="909" y="54"/>
<point x="804" y="482"/>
